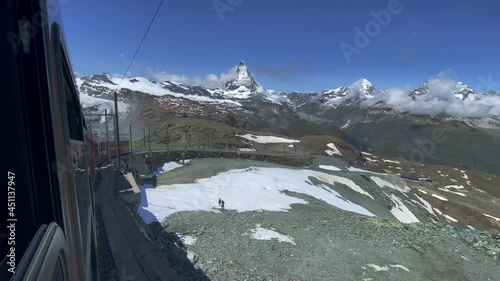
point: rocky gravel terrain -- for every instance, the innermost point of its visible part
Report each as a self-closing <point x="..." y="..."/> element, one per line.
<point x="317" y="241"/>
<point x="330" y="244"/>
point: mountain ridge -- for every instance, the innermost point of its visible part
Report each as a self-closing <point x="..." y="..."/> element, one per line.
<point x="244" y="87"/>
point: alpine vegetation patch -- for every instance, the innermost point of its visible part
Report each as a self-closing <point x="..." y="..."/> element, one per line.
<point x="223" y="6"/>
<point x="363" y="38"/>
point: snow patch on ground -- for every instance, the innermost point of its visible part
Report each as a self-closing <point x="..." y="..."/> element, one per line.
<point x="261" y="233"/>
<point x="243" y="190"/>
<point x="457" y="190"/>
<point x="266" y="139"/>
<point x="399" y="266"/>
<point x="346" y="124"/>
<point x="439" y="197"/>
<point x="450" y="218"/>
<point x="331" y="179"/>
<point x="329" y="168"/>
<point x="247" y="149"/>
<point x="187" y="239"/>
<point x="377" y="268"/>
<point x="371" y="160"/>
<point x="382" y="183"/>
<point x="401" y="212"/>
<point x="391" y="161"/>
<point x="491" y="217"/>
<point x="333" y="150"/>
<point x="169" y="166"/>
<point x="426" y="205"/>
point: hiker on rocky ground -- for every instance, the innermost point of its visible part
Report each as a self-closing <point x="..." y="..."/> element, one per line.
<point x="222" y="204"/>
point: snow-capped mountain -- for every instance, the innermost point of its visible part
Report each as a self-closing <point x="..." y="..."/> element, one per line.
<point x="242" y="102"/>
<point x="244" y="90"/>
<point x="365" y="86"/>
<point x="361" y="89"/>
<point x="243" y="86"/>
<point x="460" y="90"/>
<point x="491" y="94"/>
<point x="421" y="89"/>
<point x="463" y="91"/>
<point x="348" y="111"/>
<point x="364" y="90"/>
<point x="336" y="94"/>
<point x="104" y="85"/>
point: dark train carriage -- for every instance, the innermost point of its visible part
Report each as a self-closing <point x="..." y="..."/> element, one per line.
<point x="48" y="154"/>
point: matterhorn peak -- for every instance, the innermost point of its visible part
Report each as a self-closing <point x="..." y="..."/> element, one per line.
<point x="243" y="83"/>
<point x="242" y="72"/>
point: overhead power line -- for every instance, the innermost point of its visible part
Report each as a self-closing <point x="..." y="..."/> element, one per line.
<point x="140" y="44"/>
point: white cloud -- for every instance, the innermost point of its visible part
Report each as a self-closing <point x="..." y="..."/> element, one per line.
<point x="120" y="75"/>
<point x="209" y="80"/>
<point x="439" y="99"/>
<point x="357" y="90"/>
<point x="449" y="74"/>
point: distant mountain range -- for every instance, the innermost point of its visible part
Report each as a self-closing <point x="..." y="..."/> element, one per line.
<point x="392" y="122"/>
<point x="244" y="87"/>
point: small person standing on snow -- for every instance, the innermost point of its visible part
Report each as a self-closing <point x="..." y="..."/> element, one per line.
<point x="222" y="204"/>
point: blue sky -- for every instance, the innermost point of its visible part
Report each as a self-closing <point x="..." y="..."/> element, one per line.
<point x="289" y="45"/>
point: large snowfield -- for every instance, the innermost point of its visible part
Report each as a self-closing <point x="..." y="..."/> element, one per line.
<point x="243" y="190"/>
<point x="268" y="189"/>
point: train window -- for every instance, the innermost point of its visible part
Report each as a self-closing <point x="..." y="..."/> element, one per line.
<point x="73" y="106"/>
